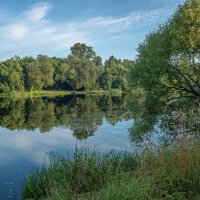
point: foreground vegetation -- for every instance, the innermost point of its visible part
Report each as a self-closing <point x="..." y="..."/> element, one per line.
<point x="166" y="173"/>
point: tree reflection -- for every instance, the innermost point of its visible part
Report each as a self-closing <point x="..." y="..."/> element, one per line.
<point x="40" y="114"/>
<point x="115" y="108"/>
<point x="82" y="114"/>
<point x="12" y="114"/>
<point x="174" y="119"/>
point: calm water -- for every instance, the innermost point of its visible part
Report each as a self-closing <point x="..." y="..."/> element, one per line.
<point x="31" y="129"/>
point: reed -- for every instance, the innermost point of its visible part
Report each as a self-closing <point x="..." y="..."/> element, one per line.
<point x="165" y="173"/>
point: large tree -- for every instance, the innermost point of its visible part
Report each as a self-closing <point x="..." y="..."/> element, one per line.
<point x="83" y="67"/>
<point x="82" y="73"/>
<point x="47" y="70"/>
<point x="168" y="59"/>
<point x="82" y="51"/>
<point x="116" y="73"/>
<point x="11" y="76"/>
<point x="40" y="73"/>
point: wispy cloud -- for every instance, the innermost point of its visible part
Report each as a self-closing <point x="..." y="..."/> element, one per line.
<point x="123" y="22"/>
<point x="38" y="11"/>
<point x="31" y="32"/>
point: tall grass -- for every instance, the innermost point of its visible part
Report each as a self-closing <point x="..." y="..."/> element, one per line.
<point x="166" y="173"/>
<point x="86" y="172"/>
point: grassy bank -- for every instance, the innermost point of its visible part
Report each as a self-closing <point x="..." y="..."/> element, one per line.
<point x="40" y="93"/>
<point x="162" y="174"/>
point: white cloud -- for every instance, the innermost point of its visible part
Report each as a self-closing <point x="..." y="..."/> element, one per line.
<point x="31" y="32"/>
<point x="38" y="11"/>
<point x="119" y="24"/>
<point x="16" y="31"/>
<point x="122" y="22"/>
<point x="33" y="146"/>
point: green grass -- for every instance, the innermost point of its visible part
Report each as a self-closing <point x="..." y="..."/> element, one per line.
<point x="116" y="92"/>
<point x="162" y="174"/>
<point x="40" y="93"/>
<point x="50" y="93"/>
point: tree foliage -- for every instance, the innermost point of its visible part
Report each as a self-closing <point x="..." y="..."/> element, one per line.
<point x="167" y="69"/>
<point x="116" y="73"/>
<point x="82" y="51"/>
<point x="80" y="70"/>
<point x="168" y="60"/>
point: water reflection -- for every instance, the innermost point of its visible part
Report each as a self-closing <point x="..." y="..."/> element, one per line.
<point x="170" y="120"/>
<point x="31" y="128"/>
<point x="81" y="114"/>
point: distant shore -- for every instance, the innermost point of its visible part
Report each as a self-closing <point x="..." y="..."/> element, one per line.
<point x="40" y="93"/>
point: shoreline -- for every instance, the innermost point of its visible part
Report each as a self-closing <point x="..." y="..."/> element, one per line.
<point x="54" y="93"/>
<point x="153" y="174"/>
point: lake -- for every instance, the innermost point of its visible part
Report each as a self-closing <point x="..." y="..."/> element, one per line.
<point x="32" y="129"/>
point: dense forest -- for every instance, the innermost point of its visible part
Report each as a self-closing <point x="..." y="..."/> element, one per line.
<point x="81" y="70"/>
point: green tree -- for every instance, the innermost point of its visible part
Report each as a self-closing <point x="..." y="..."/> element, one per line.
<point x="82" y="51"/>
<point x="24" y="62"/>
<point x="168" y="59"/>
<point x="185" y="56"/>
<point x="11" y="76"/>
<point x="116" y="73"/>
<point x="34" y="76"/>
<point x="82" y="73"/>
<point x="47" y="70"/>
<point x="40" y="73"/>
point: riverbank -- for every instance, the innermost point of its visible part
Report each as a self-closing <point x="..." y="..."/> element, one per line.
<point x="54" y="93"/>
<point x="155" y="174"/>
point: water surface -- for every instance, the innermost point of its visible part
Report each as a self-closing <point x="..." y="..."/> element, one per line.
<point x="31" y="129"/>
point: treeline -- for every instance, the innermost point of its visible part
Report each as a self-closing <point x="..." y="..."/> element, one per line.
<point x="81" y="70"/>
<point x="168" y="61"/>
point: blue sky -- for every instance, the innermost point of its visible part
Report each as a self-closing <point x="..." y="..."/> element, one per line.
<point x="111" y="27"/>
